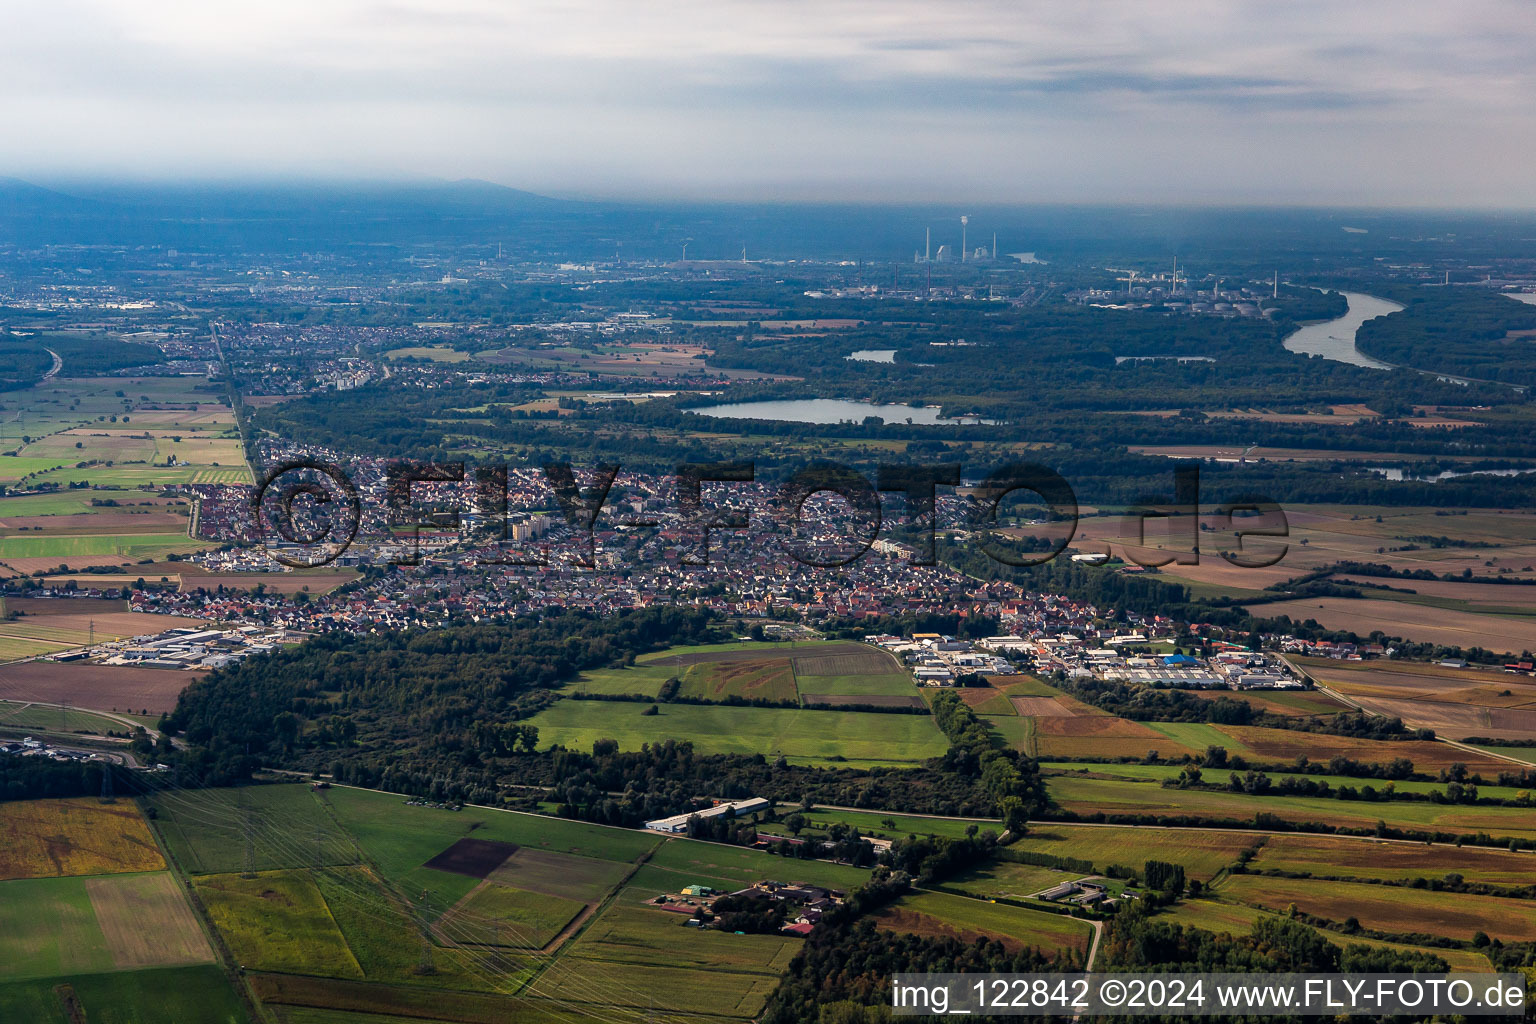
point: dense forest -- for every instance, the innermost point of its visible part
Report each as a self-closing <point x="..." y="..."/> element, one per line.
<point x="385" y="696"/>
<point x="441" y="713"/>
<point x="1473" y="332"/>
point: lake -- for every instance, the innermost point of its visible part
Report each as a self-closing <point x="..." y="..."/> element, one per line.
<point x="873" y="355"/>
<point x="1449" y="474"/>
<point x="1335" y="339"/>
<point x="831" y="410"/>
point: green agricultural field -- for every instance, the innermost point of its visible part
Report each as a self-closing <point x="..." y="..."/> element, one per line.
<point x="48" y="927"/>
<point x="631" y="933"/>
<point x="1236" y="919"/>
<point x="278" y="921"/>
<point x="499" y="915"/>
<point x="1526" y="754"/>
<point x="12" y="649"/>
<point x="1024" y="686"/>
<point x="205" y="829"/>
<point x="126" y="545"/>
<point x="882" y="684"/>
<point x="604" y="985"/>
<point x="175" y="995"/>
<point x="1116" y="796"/>
<point x="1389" y="908"/>
<point x="873" y="823"/>
<point x="1203" y="853"/>
<point x="634" y="679"/>
<point x="58" y="503"/>
<point x="1198" y="736"/>
<point x="398" y="840"/>
<point x="764" y="679"/>
<point x="940" y="914"/>
<point x="769" y="648"/>
<point x="801" y="735"/>
<point x="1158" y="772"/>
<point x="1018" y="732"/>
<point x="995" y="706"/>
<point x="433" y="353"/>
<point x="744" y="865"/>
<point x="1002" y="878"/>
<point x="651" y="881"/>
<point x="385" y="938"/>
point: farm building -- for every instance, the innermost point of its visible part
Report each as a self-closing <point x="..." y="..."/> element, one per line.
<point x="678" y="823"/>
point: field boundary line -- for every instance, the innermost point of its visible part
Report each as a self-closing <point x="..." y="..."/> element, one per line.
<point x="572" y="931"/>
<point x="224" y="956"/>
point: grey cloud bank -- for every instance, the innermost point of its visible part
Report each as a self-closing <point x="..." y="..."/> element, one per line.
<point x="1389" y="103"/>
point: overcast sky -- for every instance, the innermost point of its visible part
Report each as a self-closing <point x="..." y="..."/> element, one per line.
<point x="1380" y="102"/>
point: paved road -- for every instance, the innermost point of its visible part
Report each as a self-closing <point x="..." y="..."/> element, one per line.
<point x="58" y="364"/>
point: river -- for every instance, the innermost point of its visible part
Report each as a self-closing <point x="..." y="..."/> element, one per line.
<point x="1335" y="339"/>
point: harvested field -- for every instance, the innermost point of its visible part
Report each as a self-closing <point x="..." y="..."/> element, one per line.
<point x="562" y="875"/>
<point x="499" y="915"/>
<point x="397" y="1003"/>
<point x="1287" y="745"/>
<point x="50" y="838"/>
<point x="1502" y="634"/>
<point x="476" y="858"/>
<point x="879" y="700"/>
<point x="1238" y="919"/>
<point x="1491" y="595"/>
<point x="1042" y="707"/>
<point x="1411" y="680"/>
<point x="28" y="566"/>
<point x="1323" y="856"/>
<point x="1392" y="909"/>
<point x="984" y="700"/>
<point x="147" y="921"/>
<point x="1101" y="735"/>
<point x="46" y="606"/>
<point x="1457" y="721"/>
<point x="1454" y="702"/>
<point x="866" y="662"/>
<point x="96" y="686"/>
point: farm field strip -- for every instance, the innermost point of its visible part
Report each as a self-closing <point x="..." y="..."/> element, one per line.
<point x="1319" y="855"/>
<point x="1203" y="853"/>
<point x="1237" y="919"/>
<point x="943" y="914"/>
<point x="810" y="735"/>
<point x="1391" y="909"/>
<point x="80" y="836"/>
<point x="1118" y="797"/>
